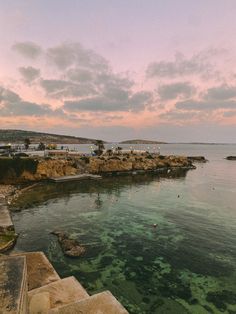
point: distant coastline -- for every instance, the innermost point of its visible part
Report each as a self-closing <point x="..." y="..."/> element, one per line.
<point x="200" y="143"/>
<point x="18" y="136"/>
<point x="141" y="142"/>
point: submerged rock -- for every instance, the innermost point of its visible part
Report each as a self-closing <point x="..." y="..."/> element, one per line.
<point x="70" y="247"/>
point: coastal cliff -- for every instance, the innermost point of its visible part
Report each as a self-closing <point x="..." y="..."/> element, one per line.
<point x="22" y="170"/>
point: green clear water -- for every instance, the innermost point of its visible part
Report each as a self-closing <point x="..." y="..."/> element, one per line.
<point x="185" y="265"/>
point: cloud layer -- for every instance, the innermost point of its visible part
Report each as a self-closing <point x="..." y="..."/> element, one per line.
<point x="115" y="100"/>
<point x="83" y="89"/>
<point x="27" y="49"/>
<point x="180" y="66"/>
<point x="175" y="90"/>
<point x="11" y="104"/>
<point x="29" y="73"/>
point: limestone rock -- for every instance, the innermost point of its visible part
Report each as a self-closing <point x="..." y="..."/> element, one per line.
<point x="42" y="168"/>
<point x="134" y="162"/>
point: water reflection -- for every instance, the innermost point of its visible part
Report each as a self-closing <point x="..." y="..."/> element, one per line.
<point x="110" y="185"/>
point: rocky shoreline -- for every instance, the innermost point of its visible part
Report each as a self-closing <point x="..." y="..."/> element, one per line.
<point x="34" y="169"/>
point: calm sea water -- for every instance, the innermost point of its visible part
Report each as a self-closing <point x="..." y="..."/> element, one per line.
<point x="185" y="265"/>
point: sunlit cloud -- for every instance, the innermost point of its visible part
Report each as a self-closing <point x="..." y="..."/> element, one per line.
<point x="78" y="87"/>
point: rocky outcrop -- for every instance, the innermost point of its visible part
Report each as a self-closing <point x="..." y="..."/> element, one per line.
<point x="36" y="169"/>
<point x="197" y="158"/>
<point x="231" y="158"/>
<point x="70" y="247"/>
<point x="19" y="170"/>
<point x="55" y="168"/>
<point x="99" y="165"/>
<point x="133" y="163"/>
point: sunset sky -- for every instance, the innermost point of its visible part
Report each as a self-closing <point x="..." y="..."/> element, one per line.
<point x="120" y="69"/>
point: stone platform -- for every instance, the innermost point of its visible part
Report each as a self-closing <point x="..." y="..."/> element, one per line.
<point x="79" y="177"/>
<point x="7" y="233"/>
<point x="5" y="219"/>
<point x="13" y="285"/>
<point x="40" y="271"/>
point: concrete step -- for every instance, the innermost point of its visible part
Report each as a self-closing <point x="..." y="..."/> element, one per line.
<point x="77" y="177"/>
<point x="55" y="294"/>
<point x="13" y="285"/>
<point x="101" y="303"/>
<point x="5" y="219"/>
<point x="40" y="270"/>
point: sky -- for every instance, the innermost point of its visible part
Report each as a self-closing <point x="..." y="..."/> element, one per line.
<point x="120" y="69"/>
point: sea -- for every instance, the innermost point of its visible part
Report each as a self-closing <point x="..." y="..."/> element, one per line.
<point x="159" y="244"/>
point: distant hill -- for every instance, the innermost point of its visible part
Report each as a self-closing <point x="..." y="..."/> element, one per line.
<point x="18" y="136"/>
<point x="141" y="142"/>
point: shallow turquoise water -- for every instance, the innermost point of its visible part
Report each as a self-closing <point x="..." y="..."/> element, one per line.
<point x="185" y="265"/>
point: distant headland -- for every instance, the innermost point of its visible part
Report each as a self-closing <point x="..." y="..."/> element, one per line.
<point x="141" y="142"/>
<point x="18" y="136"/>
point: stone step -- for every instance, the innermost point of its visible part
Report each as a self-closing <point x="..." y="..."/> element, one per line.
<point x="40" y="270"/>
<point x="101" y="303"/>
<point x="5" y="219"/>
<point x="58" y="293"/>
<point x="13" y="285"/>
